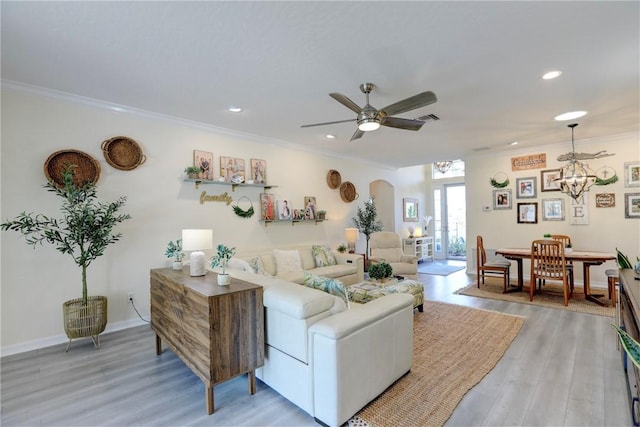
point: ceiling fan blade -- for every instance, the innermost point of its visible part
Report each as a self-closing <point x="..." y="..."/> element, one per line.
<point x="400" y="123"/>
<point x="328" y="123"/>
<point x="346" y="102"/>
<point x="411" y="103"/>
<point x="357" y="134"/>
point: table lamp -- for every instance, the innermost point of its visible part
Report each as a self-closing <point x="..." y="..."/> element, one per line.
<point x="197" y="241"/>
<point x="351" y="234"/>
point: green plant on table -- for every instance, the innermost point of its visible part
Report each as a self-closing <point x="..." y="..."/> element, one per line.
<point x="174" y="250"/>
<point x="192" y="169"/>
<point x="222" y="257"/>
<point x="85" y="229"/>
<point x="380" y="270"/>
<point x="342" y="248"/>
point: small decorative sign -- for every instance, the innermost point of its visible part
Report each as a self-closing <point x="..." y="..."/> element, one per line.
<point x="605" y="200"/>
<point x="224" y="197"/>
<point x="533" y="161"/>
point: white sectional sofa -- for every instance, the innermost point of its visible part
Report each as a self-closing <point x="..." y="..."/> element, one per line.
<point x="328" y="359"/>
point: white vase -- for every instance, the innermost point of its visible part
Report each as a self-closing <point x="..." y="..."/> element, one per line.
<point x="177" y="265"/>
<point x="568" y="250"/>
<point x="223" y="279"/>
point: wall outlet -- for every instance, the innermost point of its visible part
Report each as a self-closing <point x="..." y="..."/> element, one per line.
<point x="130" y="297"/>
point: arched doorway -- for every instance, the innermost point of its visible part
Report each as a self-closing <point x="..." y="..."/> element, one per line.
<point x="384" y="195"/>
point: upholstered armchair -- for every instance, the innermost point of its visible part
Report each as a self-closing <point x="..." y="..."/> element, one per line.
<point x="387" y="247"/>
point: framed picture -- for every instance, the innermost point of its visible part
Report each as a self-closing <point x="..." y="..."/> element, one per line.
<point x="284" y="209"/>
<point x="526" y="188"/>
<point x="258" y="171"/>
<point x="528" y="213"/>
<point x="605" y="200"/>
<point x="204" y="161"/>
<point x="267" y="207"/>
<point x="409" y="210"/>
<point x="232" y="169"/>
<point x="632" y="174"/>
<point x="502" y="199"/>
<point x="632" y="205"/>
<point x="547" y="178"/>
<point x="553" y="210"/>
<point x="298" y="214"/>
<point x="310" y="209"/>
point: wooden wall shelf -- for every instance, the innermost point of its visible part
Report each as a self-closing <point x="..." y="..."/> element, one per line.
<point x="233" y="185"/>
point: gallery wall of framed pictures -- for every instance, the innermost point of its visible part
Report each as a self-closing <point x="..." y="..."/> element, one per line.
<point x="230" y="169"/>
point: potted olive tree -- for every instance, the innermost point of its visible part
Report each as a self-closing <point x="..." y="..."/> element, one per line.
<point x="366" y="222"/>
<point x="84" y="232"/>
<point x="220" y="259"/>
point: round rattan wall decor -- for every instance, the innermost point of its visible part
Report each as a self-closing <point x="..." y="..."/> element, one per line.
<point x="334" y="179"/>
<point x="348" y="192"/>
<point x="87" y="168"/>
<point x="123" y="153"/>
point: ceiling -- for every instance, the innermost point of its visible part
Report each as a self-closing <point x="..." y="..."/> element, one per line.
<point x="280" y="60"/>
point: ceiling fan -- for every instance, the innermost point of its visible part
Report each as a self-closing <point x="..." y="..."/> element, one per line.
<point x="369" y="118"/>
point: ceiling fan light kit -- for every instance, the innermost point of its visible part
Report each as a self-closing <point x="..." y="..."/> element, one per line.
<point x="370" y="119"/>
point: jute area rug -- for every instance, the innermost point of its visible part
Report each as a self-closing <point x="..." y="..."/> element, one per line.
<point x="454" y="348"/>
<point x="551" y="297"/>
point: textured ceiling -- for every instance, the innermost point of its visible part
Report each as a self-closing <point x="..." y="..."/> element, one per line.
<point x="280" y="60"/>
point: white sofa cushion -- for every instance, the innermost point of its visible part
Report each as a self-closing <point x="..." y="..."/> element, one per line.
<point x="287" y="262"/>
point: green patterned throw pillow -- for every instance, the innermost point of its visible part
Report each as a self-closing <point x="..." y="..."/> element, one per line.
<point x="323" y="255"/>
<point x="328" y="285"/>
<point x="257" y="266"/>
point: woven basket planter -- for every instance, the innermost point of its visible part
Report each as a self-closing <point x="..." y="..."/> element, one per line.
<point x="82" y="321"/>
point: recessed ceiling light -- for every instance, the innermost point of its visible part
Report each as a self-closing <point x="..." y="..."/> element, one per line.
<point x="551" y="75"/>
<point x="234" y="109"/>
<point x="570" y="115"/>
<point x="329" y="136"/>
<point x="513" y="143"/>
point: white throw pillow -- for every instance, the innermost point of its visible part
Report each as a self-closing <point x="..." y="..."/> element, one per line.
<point x="287" y="262"/>
<point x="240" y="264"/>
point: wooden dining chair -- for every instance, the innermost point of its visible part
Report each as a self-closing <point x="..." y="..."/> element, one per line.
<point x="566" y="240"/>
<point x="495" y="267"/>
<point x="548" y="263"/>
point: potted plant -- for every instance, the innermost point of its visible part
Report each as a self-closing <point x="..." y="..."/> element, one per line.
<point x="84" y="232"/>
<point x="322" y="215"/>
<point x="193" y="172"/>
<point x="174" y="250"/>
<point x="547" y="236"/>
<point x="342" y="248"/>
<point x="220" y="259"/>
<point x="380" y="271"/>
<point x="568" y="248"/>
<point x="365" y="221"/>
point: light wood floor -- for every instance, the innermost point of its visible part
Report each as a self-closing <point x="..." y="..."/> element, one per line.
<point x="562" y="369"/>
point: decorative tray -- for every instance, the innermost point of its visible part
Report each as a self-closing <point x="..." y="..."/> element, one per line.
<point x="87" y="168"/>
<point x="348" y="192"/>
<point x="333" y="179"/>
<point x="123" y="153"/>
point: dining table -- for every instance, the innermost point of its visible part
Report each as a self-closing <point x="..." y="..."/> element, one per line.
<point x="587" y="258"/>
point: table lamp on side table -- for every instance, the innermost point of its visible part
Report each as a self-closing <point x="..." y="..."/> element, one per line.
<point x="351" y="234"/>
<point x="197" y="241"/>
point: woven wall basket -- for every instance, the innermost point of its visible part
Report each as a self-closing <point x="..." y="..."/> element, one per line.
<point x="87" y="168"/>
<point x="123" y="153"/>
<point x="334" y="179"/>
<point x="348" y="192"/>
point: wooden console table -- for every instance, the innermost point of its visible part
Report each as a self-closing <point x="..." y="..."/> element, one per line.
<point x="217" y="331"/>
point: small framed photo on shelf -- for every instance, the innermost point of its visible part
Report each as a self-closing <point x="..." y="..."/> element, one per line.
<point x="232" y="169"/>
<point x="632" y="174"/>
<point x="298" y="214"/>
<point x="502" y="199"/>
<point x="632" y="205"/>
<point x="284" y="209"/>
<point x="528" y="213"/>
<point x="258" y="171"/>
<point x="310" y="209"/>
<point x="526" y="188"/>
<point x="267" y="207"/>
<point x="553" y="210"/>
<point x="204" y="161"/>
<point x="547" y="179"/>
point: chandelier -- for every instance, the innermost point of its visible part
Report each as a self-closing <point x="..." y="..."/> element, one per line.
<point x="443" y="167"/>
<point x="575" y="178"/>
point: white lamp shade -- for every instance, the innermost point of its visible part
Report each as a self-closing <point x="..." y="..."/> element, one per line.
<point x="197" y="240"/>
<point x="351" y="234"/>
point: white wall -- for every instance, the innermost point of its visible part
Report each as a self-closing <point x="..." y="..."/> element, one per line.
<point x="607" y="229"/>
<point x="35" y="283"/>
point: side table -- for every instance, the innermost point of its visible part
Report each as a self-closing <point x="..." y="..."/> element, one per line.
<point x="217" y="331"/>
